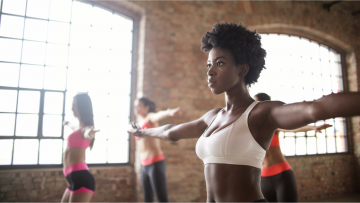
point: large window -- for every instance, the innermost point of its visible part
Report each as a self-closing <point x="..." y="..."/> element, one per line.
<point x="298" y="69"/>
<point x="49" y="51"/>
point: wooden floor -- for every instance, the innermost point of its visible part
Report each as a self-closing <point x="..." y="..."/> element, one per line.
<point x="346" y="198"/>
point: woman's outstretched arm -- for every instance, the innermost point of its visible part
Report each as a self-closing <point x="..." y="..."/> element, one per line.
<point x="156" y="117"/>
<point x="307" y="128"/>
<point x="193" y="129"/>
<point x="292" y="116"/>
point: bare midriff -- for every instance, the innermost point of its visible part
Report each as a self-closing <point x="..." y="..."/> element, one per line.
<point x="232" y="183"/>
<point x="73" y="155"/>
<point x="273" y="156"/>
<point x="149" y="147"/>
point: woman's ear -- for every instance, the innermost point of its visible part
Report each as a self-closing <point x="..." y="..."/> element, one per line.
<point x="244" y="69"/>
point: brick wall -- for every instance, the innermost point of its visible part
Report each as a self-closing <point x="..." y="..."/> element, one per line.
<point x="114" y="184"/>
<point x="173" y="73"/>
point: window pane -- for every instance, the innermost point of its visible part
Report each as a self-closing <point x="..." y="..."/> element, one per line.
<point x="311" y="145"/>
<point x="321" y="143"/>
<point x="31" y="76"/>
<point x="8" y="100"/>
<point x="38" y="9"/>
<point x="341" y="144"/>
<point x="53" y="102"/>
<point x="340" y="124"/>
<point x="27" y="125"/>
<point x="29" y="101"/>
<point x="50" y="151"/>
<point x="118" y="151"/>
<point x="14" y="7"/>
<point x="9" y="74"/>
<point x="12" y="26"/>
<point x="52" y="125"/>
<point x="60" y="10"/>
<point x="6" y="151"/>
<point x="26" y="151"/>
<point x="56" y="55"/>
<point x="33" y="52"/>
<point x="98" y="152"/>
<point x="10" y="50"/>
<point x="36" y="29"/>
<point x="58" y="32"/>
<point x="300" y="146"/>
<point x="331" y="148"/>
<point x="7" y="121"/>
<point x="289" y="146"/>
<point x="81" y="12"/>
<point x="55" y="78"/>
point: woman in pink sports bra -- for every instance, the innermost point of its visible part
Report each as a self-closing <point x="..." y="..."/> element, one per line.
<point x="278" y="182"/>
<point x="232" y="141"/>
<point x="153" y="177"/>
<point x="81" y="181"/>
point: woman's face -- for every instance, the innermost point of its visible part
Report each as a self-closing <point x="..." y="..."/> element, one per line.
<point x="223" y="73"/>
<point x="140" y="109"/>
<point x="74" y="109"/>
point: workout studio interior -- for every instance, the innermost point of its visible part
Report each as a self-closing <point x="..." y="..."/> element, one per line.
<point x="179" y="101"/>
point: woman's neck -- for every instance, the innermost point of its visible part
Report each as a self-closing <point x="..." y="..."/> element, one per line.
<point x="237" y="97"/>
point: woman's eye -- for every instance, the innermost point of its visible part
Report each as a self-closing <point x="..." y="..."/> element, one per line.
<point x="208" y="65"/>
<point x="219" y="63"/>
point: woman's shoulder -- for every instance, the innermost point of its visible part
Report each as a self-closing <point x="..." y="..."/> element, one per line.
<point x="209" y="116"/>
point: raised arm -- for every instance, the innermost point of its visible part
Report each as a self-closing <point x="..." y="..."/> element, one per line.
<point x="71" y="125"/>
<point x="156" y="117"/>
<point x="292" y="116"/>
<point x="193" y="129"/>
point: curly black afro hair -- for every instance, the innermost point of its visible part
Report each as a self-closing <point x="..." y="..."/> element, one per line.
<point x="244" y="44"/>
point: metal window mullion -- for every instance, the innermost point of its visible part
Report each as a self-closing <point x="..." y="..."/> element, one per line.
<point x="40" y="122"/>
<point x="335" y="136"/>
<point x="295" y="138"/>
<point x="65" y="92"/>
<point x="33" y="18"/>
<point x="30" y="40"/>
<point x="18" y="90"/>
<point x="1" y="7"/>
<point x="326" y="141"/>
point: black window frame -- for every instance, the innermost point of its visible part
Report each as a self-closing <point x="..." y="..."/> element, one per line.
<point x="42" y="95"/>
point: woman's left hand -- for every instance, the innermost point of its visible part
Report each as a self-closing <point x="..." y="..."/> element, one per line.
<point x="322" y="127"/>
<point x="89" y="132"/>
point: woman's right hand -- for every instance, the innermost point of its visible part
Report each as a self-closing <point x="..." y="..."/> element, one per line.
<point x="135" y="130"/>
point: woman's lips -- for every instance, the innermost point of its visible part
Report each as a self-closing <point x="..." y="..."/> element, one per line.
<point x="211" y="83"/>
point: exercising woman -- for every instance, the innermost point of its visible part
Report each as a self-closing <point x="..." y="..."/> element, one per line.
<point x="81" y="181"/>
<point x="232" y="141"/>
<point x="153" y="176"/>
<point x="278" y="182"/>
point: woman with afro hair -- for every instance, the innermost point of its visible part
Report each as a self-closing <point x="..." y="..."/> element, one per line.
<point x="232" y="141"/>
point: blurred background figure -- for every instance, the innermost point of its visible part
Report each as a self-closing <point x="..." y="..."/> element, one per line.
<point x="278" y="181"/>
<point x="153" y="173"/>
<point x="81" y="182"/>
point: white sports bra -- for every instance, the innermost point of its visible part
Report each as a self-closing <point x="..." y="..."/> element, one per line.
<point x="233" y="144"/>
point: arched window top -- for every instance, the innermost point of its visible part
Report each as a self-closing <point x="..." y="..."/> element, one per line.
<point x="299" y="69"/>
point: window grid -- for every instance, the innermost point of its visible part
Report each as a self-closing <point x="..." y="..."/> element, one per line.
<point x="329" y="70"/>
<point x="39" y="136"/>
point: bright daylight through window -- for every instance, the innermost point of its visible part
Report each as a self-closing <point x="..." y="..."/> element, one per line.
<point x="49" y="51"/>
<point x="299" y="69"/>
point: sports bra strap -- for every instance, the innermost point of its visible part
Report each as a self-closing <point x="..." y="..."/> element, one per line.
<point x="250" y="107"/>
<point x="221" y="110"/>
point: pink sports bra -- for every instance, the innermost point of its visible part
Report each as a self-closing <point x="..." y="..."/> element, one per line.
<point x="75" y="139"/>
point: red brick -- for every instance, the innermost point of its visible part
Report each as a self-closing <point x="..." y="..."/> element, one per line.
<point x="29" y="186"/>
<point x="17" y="187"/>
<point x="10" y="194"/>
<point x="21" y="193"/>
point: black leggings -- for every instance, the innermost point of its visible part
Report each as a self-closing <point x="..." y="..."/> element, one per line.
<point x="153" y="180"/>
<point x="280" y="187"/>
